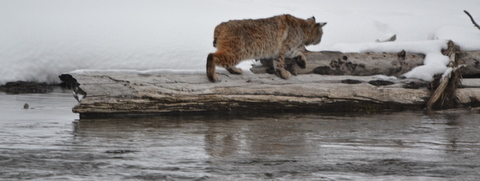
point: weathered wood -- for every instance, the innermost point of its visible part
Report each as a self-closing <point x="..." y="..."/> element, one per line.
<point x="135" y="93"/>
<point x="450" y="81"/>
<point x="364" y="64"/>
<point x="471" y="60"/>
<point x="359" y="64"/>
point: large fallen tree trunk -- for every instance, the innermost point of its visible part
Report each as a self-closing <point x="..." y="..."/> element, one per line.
<point x="114" y="94"/>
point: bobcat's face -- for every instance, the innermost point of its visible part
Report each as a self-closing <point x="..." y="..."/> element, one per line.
<point x="316" y="33"/>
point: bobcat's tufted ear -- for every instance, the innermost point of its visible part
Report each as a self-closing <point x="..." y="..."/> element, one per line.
<point x="311" y="20"/>
<point x="320" y="25"/>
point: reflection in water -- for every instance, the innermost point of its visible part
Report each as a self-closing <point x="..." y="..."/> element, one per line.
<point x="44" y="142"/>
<point x="398" y="145"/>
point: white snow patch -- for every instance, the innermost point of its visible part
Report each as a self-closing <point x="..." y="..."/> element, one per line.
<point x="384" y="77"/>
<point x="446" y="73"/>
<point x="153" y="71"/>
<point x="467" y="37"/>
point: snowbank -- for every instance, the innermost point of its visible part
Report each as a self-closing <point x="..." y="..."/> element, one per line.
<point x="41" y="39"/>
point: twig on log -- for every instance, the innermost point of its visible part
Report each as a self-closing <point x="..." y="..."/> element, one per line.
<point x="471" y="18"/>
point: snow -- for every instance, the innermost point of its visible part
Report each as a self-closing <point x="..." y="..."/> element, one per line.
<point x="41" y="39"/>
<point x="384" y="77"/>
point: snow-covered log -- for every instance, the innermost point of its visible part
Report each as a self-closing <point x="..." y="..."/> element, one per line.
<point x="120" y="93"/>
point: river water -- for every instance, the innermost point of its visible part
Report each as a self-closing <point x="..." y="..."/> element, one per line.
<point x="48" y="142"/>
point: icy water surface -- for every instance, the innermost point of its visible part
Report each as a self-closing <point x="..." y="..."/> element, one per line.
<point x="48" y="142"/>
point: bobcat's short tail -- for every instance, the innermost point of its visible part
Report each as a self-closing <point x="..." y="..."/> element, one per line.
<point x="211" y="68"/>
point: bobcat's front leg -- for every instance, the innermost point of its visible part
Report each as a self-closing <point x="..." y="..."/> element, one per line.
<point x="279" y="65"/>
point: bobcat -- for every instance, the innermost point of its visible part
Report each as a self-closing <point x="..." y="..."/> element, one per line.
<point x="275" y="38"/>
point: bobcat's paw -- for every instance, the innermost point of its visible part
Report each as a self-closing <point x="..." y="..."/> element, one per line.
<point x="212" y="77"/>
<point x="284" y="74"/>
<point x="235" y="70"/>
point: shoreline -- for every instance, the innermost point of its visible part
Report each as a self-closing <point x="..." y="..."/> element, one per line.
<point x="28" y="87"/>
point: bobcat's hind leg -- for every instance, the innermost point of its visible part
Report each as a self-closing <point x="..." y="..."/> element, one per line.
<point x="212" y="76"/>
<point x="234" y="70"/>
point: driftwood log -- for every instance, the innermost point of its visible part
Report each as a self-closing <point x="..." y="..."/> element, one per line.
<point x="364" y="64"/>
<point x="118" y="94"/>
<point x="359" y="64"/>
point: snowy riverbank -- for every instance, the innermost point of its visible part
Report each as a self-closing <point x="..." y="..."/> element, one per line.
<point x="40" y="40"/>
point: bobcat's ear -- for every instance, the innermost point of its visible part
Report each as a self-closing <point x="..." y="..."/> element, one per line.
<point x="320" y="25"/>
<point x="312" y="19"/>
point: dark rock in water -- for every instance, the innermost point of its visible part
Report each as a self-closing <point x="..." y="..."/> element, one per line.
<point x="20" y="87"/>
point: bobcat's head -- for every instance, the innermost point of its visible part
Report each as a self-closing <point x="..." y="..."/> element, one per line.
<point x="316" y="32"/>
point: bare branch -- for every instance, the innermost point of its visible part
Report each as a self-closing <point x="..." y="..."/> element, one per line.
<point x="471" y="18"/>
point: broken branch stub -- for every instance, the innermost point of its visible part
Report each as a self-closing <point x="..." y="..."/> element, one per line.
<point x="444" y="96"/>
